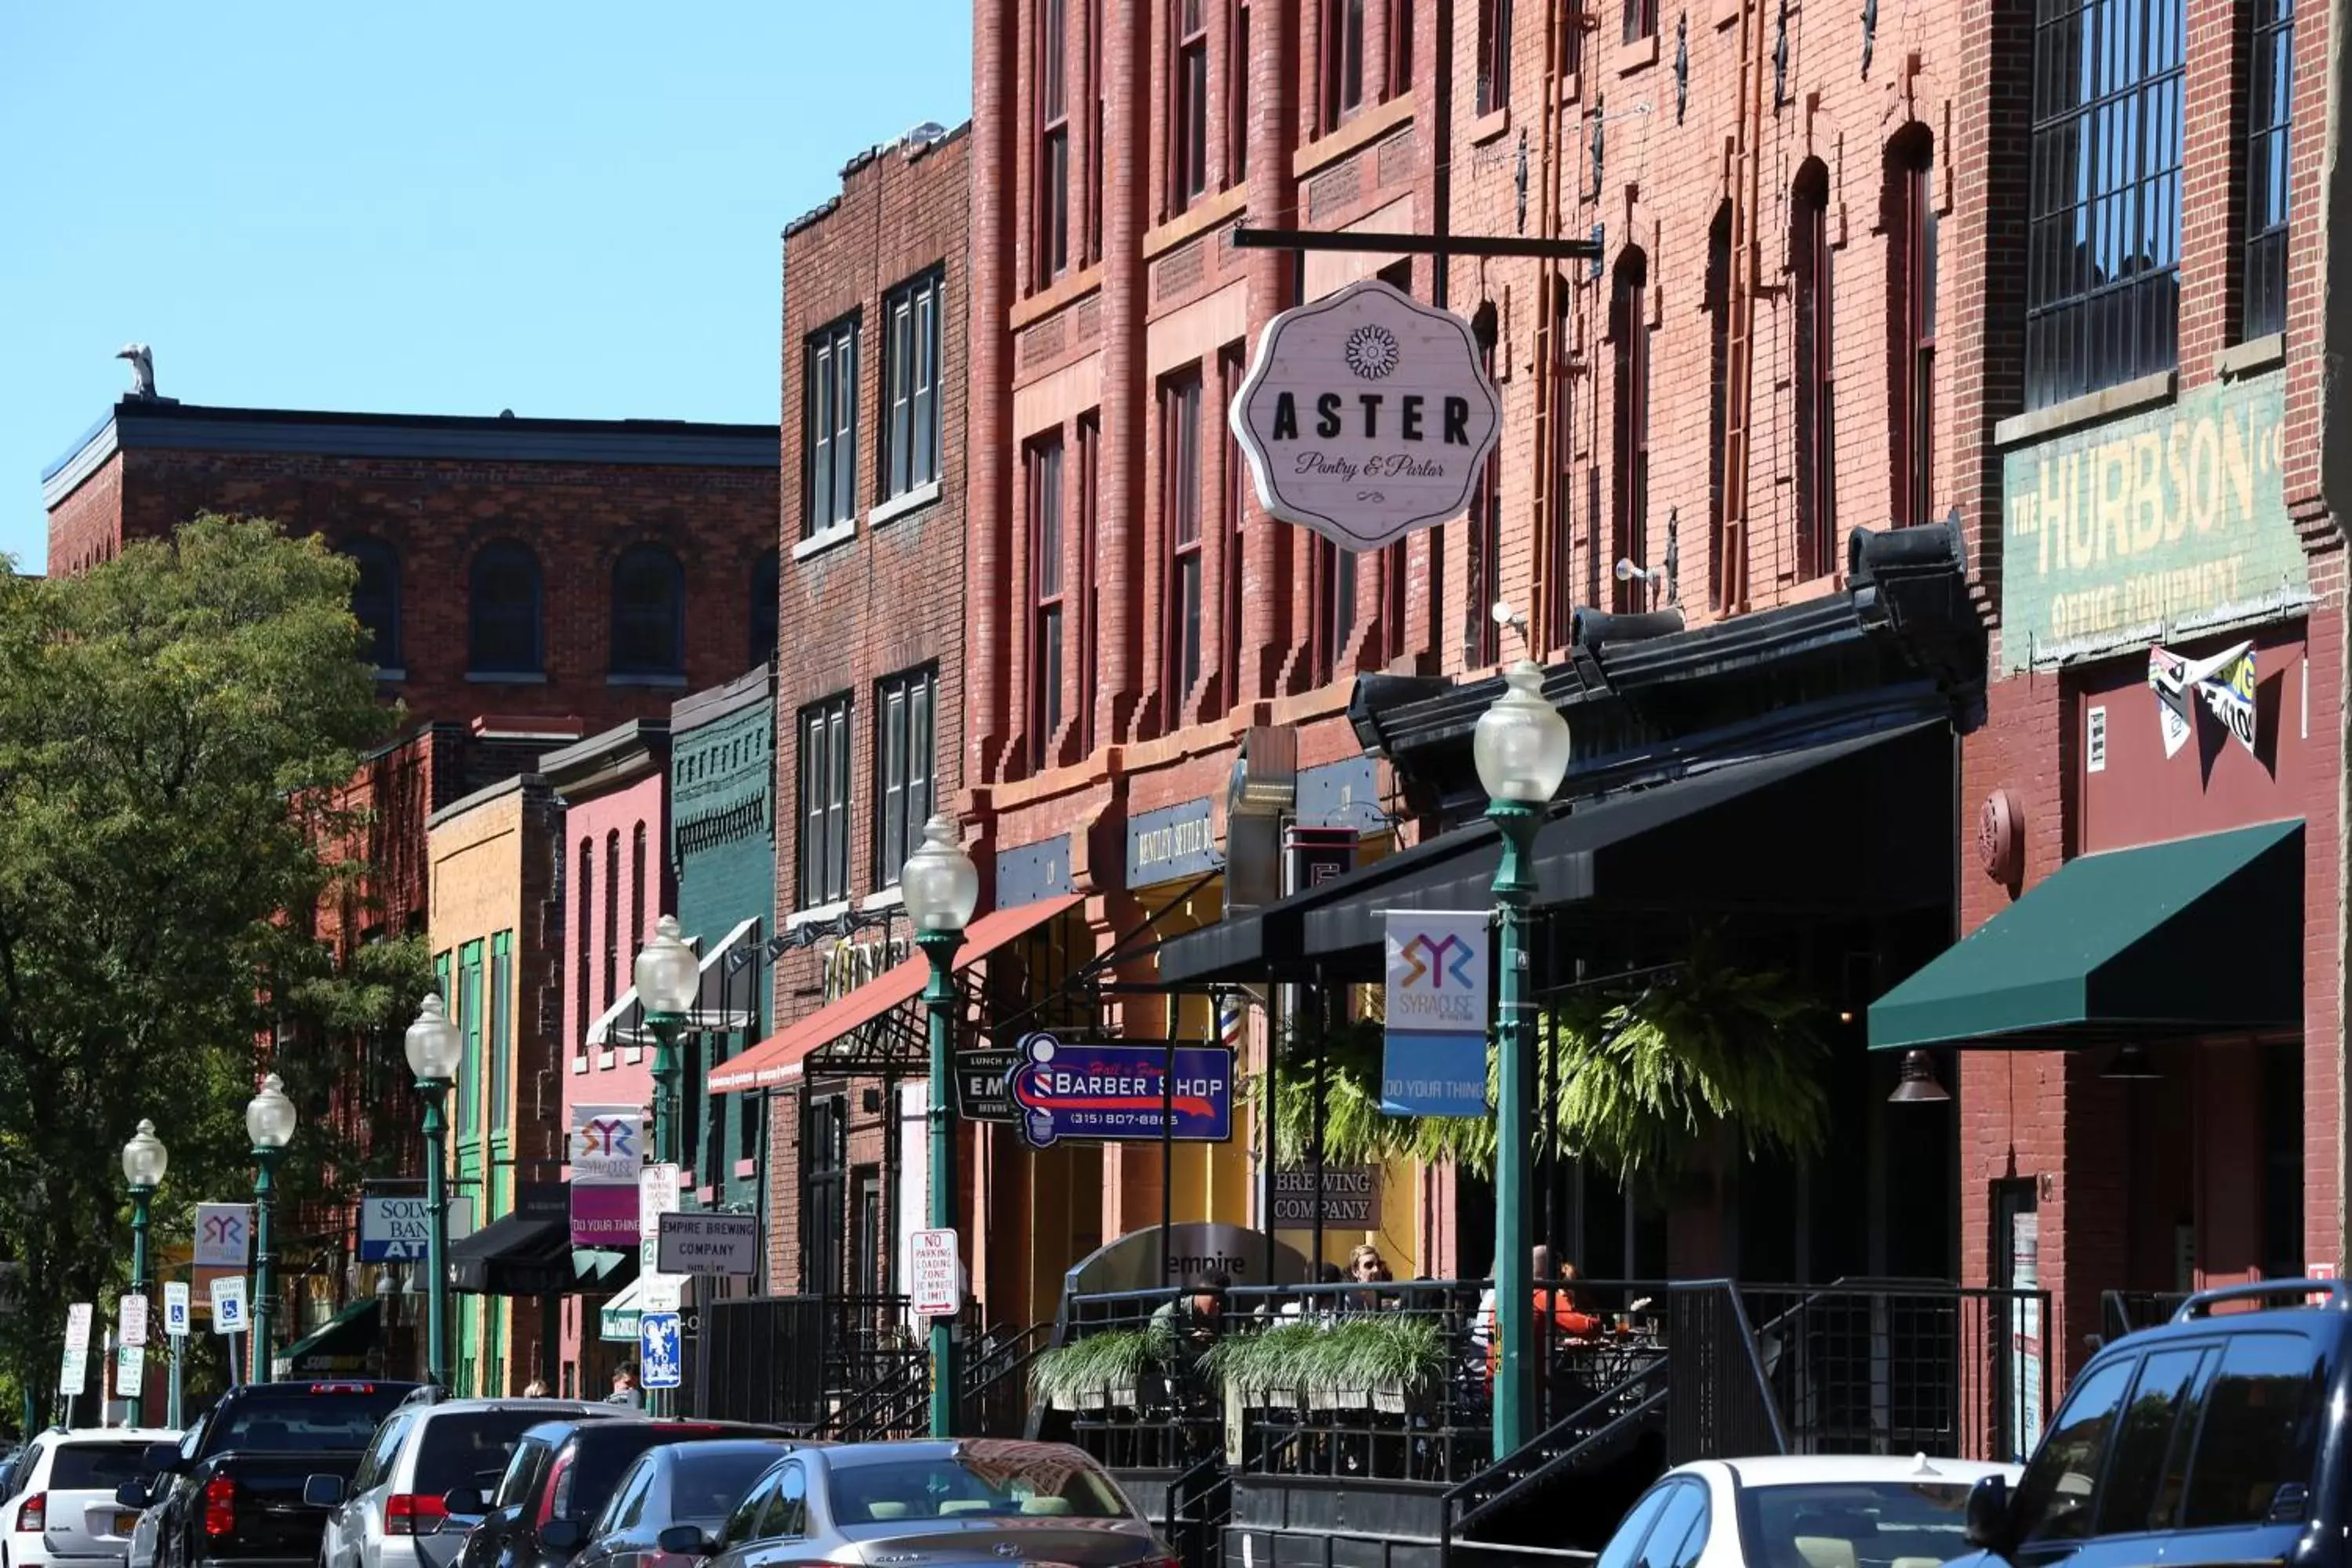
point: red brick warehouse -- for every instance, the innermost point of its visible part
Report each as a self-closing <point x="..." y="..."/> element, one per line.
<point x="869" y="679"/>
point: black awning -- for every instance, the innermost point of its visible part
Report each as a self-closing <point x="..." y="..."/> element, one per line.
<point x="514" y="1254"/>
<point x="1856" y="827"/>
<point x="346" y="1343"/>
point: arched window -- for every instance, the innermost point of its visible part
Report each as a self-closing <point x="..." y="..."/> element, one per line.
<point x="502" y="632"/>
<point x="375" y="599"/>
<point x="1629" y="335"/>
<point x="1909" y="213"/>
<point x="649" y="613"/>
<point x="1718" y="396"/>
<point x="1809" y="269"/>
<point x="764" y="588"/>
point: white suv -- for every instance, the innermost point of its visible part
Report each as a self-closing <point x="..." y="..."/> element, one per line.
<point x="60" y="1511"/>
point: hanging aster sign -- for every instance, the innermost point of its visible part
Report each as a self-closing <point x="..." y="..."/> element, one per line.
<point x="1366" y="414"/>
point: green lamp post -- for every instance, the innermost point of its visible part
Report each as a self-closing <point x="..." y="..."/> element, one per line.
<point x="1520" y="747"/>
<point x="941" y="888"/>
<point x="668" y="977"/>
<point x="269" y="1123"/>
<point x="434" y="1047"/>
<point x="144" y="1161"/>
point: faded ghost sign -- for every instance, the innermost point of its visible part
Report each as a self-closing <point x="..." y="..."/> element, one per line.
<point x="1365" y="416"/>
<point x="2124" y="534"/>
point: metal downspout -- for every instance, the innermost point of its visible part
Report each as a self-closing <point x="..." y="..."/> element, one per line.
<point x="2335" y="491"/>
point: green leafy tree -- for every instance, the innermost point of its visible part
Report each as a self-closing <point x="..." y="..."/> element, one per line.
<point x="175" y="727"/>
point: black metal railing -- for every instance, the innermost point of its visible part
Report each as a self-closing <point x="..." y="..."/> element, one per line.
<point x="1721" y="1400"/>
<point x="1600" y="1431"/>
<point x="804" y="1361"/>
<point x="2124" y="1312"/>
<point x="1200" y="1503"/>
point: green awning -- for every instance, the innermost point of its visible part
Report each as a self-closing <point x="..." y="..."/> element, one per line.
<point x="617" y="1319"/>
<point x="341" y="1344"/>
<point x="2200" y="936"/>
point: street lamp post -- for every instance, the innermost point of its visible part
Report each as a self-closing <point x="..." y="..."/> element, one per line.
<point x="269" y="1123"/>
<point x="143" y="1160"/>
<point x="434" y="1046"/>
<point x="668" y="977"/>
<point x="941" y="888"/>
<point x="1520" y="747"/>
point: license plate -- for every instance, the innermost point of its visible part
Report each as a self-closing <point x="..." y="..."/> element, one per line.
<point x="124" y="1523"/>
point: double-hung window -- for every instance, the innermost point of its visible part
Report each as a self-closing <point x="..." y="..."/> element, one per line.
<point x="1188" y="97"/>
<point x="825" y="802"/>
<point x="1051" y="77"/>
<point x="911" y="376"/>
<point x="1044" y="705"/>
<point x="903" y="759"/>
<point x="831" y="490"/>
<point x="2270" y="110"/>
<point x="1179" y="458"/>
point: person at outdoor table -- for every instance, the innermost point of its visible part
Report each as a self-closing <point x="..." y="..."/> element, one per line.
<point x="1554" y="1305"/>
<point x="1320" y="1308"/>
<point x="1365" y="1267"/>
<point x="1195" y="1318"/>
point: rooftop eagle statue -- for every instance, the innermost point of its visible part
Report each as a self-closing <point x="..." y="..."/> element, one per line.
<point x="143" y="369"/>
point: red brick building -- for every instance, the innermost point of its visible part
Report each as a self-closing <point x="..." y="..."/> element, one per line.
<point x="869" y="690"/>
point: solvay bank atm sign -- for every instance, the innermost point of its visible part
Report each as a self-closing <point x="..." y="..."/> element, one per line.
<point x="1366" y="414"/>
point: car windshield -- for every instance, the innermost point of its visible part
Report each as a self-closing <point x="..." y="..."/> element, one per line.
<point x="468" y="1448"/>
<point x="974" y="1486"/>
<point x="1853" y="1524"/>
<point x="96" y="1467"/>
<point x="335" y="1418"/>
<point x="710" y="1481"/>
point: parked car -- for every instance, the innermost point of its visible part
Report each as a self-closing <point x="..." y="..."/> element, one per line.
<point x="1810" y="1510"/>
<point x="561" y="1478"/>
<point x="395" y="1510"/>
<point x="977" y="1502"/>
<point x="2218" y="1438"/>
<point x="233" y="1489"/>
<point x="61" y="1509"/>
<point x="695" y="1484"/>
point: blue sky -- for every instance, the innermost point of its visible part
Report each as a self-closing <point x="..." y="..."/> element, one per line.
<point x="562" y="209"/>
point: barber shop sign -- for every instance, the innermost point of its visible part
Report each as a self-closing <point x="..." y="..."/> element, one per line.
<point x="1365" y="416"/>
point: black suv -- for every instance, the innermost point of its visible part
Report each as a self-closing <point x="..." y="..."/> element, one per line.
<point x="2217" y="1438"/>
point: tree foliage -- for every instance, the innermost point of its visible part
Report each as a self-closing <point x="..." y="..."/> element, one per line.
<point x="175" y="726"/>
<point x="1636" y="1076"/>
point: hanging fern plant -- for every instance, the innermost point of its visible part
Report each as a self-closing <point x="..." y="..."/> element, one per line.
<point x="1635" y="1077"/>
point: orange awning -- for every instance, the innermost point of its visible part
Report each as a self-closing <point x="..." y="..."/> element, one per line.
<point x="778" y="1059"/>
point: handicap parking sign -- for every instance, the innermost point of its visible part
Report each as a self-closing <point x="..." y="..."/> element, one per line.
<point x="659" y="1339"/>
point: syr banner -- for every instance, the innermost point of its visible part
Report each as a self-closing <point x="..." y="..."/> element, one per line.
<point x="1434" y="1060"/>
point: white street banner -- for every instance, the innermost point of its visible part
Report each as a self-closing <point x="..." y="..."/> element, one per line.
<point x="2225" y="682"/>
<point x="77" y="1320"/>
<point x="177" y="1308"/>
<point x="223" y="1236"/>
<point x="1433" y="1061"/>
<point x="607" y="1152"/>
<point x="228" y="1304"/>
<point x="131" y="1320"/>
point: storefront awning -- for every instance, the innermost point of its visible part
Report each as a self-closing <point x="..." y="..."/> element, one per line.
<point x="783" y="1056"/>
<point x="2199" y="936"/>
<point x="623" y="1024"/>
<point x="617" y="1319"/>
<point x="341" y="1344"/>
<point x="1851" y="827"/>
<point x="515" y="1255"/>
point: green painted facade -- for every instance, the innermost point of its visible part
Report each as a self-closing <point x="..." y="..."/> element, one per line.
<point x="723" y="857"/>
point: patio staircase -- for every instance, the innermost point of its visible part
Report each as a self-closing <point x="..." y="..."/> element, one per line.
<point x="1571" y="1484"/>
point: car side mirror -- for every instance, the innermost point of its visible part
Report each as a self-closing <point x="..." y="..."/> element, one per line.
<point x="684" y="1541"/>
<point x="161" y="1457"/>
<point x="561" y="1535"/>
<point x="132" y="1494"/>
<point x="464" y="1501"/>
<point x="1988" y="1515"/>
<point x="323" y="1491"/>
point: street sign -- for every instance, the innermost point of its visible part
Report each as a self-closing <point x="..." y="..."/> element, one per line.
<point x="1117" y="1093"/>
<point x="937" y="1277"/>
<point x="73" y="1372"/>
<point x="708" y="1244"/>
<point x="394" y="1229"/>
<point x="223" y="1236"/>
<point x="980" y="1094"/>
<point x="77" y="1317"/>
<point x="657" y="1196"/>
<point x="660" y="1360"/>
<point x="177" y="1310"/>
<point x="131" y="1320"/>
<point x="130" y="1371"/>
<point x="1351" y="1198"/>
<point x="1366" y="414"/>
<point x="228" y="1304"/>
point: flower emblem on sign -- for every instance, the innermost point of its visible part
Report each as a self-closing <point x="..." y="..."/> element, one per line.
<point x="1372" y="351"/>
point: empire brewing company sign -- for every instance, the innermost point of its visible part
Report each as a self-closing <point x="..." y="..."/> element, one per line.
<point x="1366" y="416"/>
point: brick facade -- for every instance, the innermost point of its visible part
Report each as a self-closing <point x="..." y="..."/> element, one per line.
<point x="876" y="600"/>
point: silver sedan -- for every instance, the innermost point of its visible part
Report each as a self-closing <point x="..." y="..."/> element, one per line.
<point x="977" y="1502"/>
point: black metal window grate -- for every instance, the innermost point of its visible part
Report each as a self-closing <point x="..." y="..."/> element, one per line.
<point x="2104" y="215"/>
<point x="2269" y="109"/>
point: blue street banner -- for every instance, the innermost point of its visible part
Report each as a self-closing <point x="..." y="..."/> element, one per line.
<point x="1119" y="1093"/>
<point x="1435" y="1060"/>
